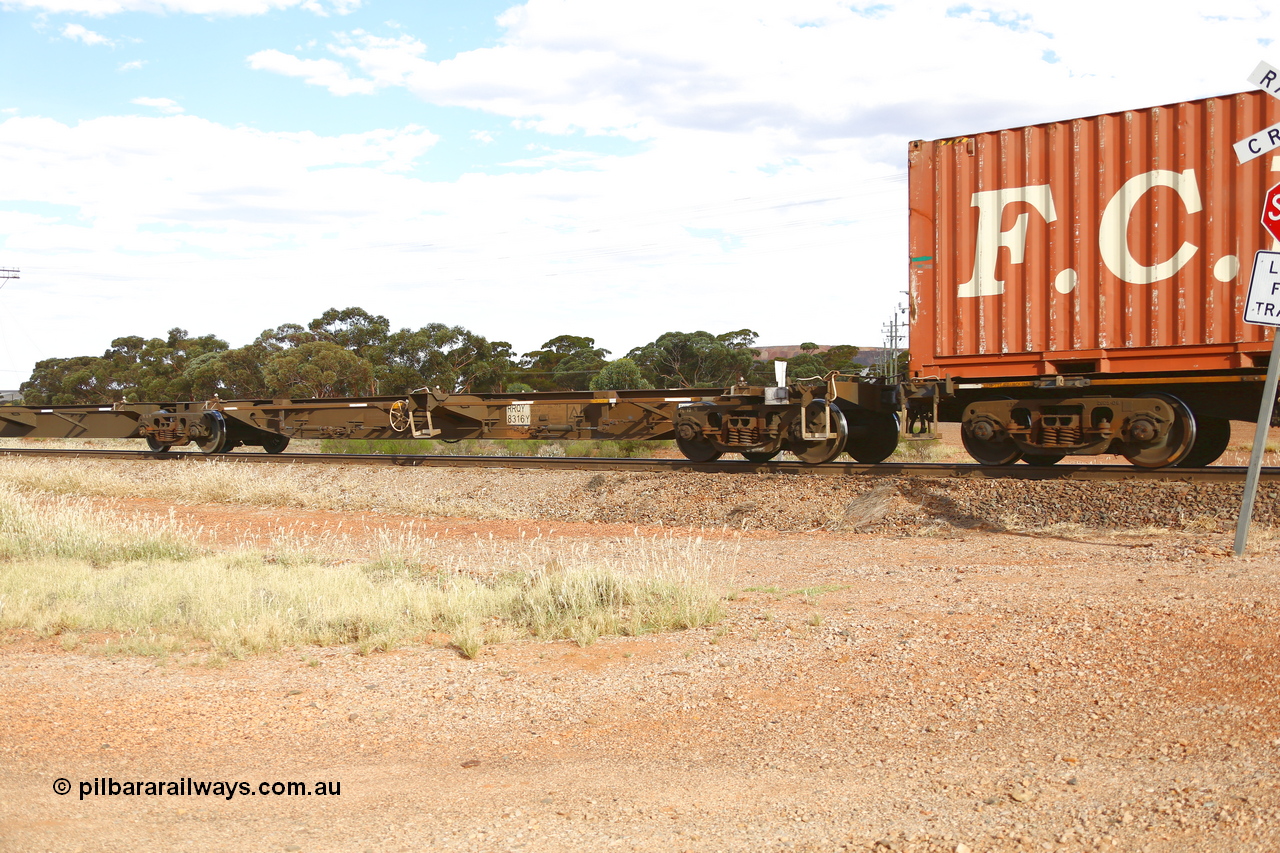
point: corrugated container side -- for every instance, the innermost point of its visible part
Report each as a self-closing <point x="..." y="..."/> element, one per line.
<point x="1116" y="243"/>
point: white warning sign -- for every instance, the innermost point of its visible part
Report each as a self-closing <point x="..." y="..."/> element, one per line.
<point x="1263" y="306"/>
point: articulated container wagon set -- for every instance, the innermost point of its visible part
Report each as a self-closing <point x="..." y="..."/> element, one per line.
<point x="1076" y="288"/>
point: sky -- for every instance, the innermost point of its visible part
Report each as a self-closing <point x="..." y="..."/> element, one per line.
<point x="606" y="168"/>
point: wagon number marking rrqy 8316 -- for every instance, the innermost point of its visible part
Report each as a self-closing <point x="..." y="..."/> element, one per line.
<point x="519" y="414"/>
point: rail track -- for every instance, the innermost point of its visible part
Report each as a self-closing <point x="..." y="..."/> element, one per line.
<point x="1218" y="474"/>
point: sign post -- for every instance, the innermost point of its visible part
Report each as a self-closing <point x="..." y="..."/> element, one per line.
<point x="1263" y="304"/>
<point x="1263" y="309"/>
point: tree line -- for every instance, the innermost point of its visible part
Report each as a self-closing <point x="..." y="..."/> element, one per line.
<point x="352" y="353"/>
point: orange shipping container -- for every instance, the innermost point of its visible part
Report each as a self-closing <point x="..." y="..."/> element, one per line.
<point x="1115" y="243"/>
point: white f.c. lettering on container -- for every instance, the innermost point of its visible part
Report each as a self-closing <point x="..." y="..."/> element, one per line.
<point x="1113" y="241"/>
<point x="1113" y="244"/>
<point x="991" y="205"/>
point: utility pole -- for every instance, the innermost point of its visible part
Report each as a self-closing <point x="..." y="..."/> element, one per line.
<point x="894" y="334"/>
<point x="6" y="273"/>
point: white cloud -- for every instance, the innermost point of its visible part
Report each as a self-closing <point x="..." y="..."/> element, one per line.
<point x="126" y="173"/>
<point x="316" y="72"/>
<point x="387" y="61"/>
<point x="812" y="71"/>
<point x="337" y="7"/>
<point x="100" y="8"/>
<point x="168" y="106"/>
<point x="383" y="61"/>
<point x="255" y="228"/>
<point x="75" y="32"/>
<point x="482" y="136"/>
<point x="542" y="157"/>
<point x="133" y="65"/>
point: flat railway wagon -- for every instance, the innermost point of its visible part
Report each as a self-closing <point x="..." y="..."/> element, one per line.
<point x="1077" y="287"/>
<point x="817" y="421"/>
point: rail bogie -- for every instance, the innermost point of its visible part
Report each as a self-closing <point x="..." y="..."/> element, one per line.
<point x="1153" y="422"/>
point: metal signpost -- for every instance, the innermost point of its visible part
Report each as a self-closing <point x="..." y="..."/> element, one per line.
<point x="1263" y="304"/>
<point x="1263" y="308"/>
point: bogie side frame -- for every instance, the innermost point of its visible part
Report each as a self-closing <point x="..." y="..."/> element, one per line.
<point x="1154" y="420"/>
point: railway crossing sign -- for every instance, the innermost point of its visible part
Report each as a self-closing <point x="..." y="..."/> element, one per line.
<point x="1262" y="307"/>
<point x="1267" y="78"/>
<point x="1267" y="139"/>
<point x="1271" y="212"/>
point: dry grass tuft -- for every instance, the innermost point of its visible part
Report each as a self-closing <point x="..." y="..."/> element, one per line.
<point x="866" y="509"/>
<point x="66" y="528"/>
<point x="228" y="482"/>
<point x="70" y="570"/>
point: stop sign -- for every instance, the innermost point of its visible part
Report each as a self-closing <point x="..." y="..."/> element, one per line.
<point x="1271" y="212"/>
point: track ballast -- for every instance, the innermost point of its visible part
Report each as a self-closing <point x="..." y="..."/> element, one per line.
<point x="831" y="469"/>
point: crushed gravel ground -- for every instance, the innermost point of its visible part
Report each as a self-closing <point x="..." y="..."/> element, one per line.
<point x="905" y="665"/>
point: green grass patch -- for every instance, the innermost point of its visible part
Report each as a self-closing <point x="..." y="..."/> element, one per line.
<point x="479" y="447"/>
<point x="926" y="450"/>
<point x="821" y="589"/>
<point x="806" y="592"/>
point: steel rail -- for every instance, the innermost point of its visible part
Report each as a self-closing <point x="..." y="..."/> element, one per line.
<point x="1214" y="474"/>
